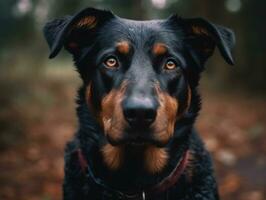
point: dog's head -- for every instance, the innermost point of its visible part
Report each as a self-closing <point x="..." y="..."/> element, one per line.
<point x="139" y="75"/>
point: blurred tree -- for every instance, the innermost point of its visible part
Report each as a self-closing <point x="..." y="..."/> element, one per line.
<point x="17" y="24"/>
<point x="252" y="54"/>
<point x="129" y="9"/>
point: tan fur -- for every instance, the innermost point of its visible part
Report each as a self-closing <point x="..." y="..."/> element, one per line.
<point x="113" y="122"/>
<point x="112" y="114"/>
<point x="166" y="116"/>
<point x="89" y="22"/>
<point x="159" y="49"/>
<point x="199" y="30"/>
<point x="113" y="156"/>
<point x="123" y="47"/>
<point x="188" y="98"/>
<point x="155" y="159"/>
<point x="88" y="95"/>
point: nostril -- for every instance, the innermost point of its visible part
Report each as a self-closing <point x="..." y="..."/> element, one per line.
<point x="150" y="115"/>
<point x="130" y="115"/>
<point x="140" y="116"/>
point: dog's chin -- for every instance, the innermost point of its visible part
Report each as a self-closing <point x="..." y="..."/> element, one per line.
<point x="136" y="142"/>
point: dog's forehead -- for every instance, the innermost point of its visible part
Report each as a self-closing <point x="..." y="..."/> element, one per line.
<point x="138" y="33"/>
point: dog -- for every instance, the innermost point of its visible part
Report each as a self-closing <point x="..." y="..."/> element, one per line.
<point x="137" y="105"/>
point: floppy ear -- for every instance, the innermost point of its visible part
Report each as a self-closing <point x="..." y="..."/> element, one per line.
<point x="203" y="36"/>
<point x="73" y="32"/>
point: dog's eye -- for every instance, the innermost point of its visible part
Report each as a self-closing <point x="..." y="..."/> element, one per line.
<point x="170" y="65"/>
<point x="111" y="62"/>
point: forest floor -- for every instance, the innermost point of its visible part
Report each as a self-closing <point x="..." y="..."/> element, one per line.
<point x="233" y="127"/>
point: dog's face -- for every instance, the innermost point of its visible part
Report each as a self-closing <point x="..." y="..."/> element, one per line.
<point x="139" y="75"/>
<point x="140" y="70"/>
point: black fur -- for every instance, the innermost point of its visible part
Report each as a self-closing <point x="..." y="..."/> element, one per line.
<point x="189" y="48"/>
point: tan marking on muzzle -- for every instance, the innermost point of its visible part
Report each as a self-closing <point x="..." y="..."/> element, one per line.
<point x="113" y="156"/>
<point x="166" y="116"/>
<point x="112" y="113"/>
<point x="155" y="159"/>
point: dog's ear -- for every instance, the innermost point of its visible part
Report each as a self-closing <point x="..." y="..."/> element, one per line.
<point x="203" y="36"/>
<point x="70" y="31"/>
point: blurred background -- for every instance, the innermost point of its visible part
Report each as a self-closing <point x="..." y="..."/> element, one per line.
<point x="37" y="112"/>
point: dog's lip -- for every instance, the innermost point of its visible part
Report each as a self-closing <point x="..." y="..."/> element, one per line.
<point x="138" y="141"/>
<point x="145" y="141"/>
<point x="134" y="141"/>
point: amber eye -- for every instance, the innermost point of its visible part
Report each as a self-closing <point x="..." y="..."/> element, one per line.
<point x="170" y="65"/>
<point x="111" y="62"/>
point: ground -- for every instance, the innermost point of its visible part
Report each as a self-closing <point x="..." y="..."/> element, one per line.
<point x="233" y="126"/>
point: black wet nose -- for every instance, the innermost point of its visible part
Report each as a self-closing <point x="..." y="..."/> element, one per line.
<point x="140" y="111"/>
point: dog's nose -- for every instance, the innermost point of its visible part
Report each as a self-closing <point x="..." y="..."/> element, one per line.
<point x="140" y="111"/>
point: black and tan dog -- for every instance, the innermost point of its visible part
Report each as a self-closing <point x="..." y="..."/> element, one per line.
<point x="137" y="105"/>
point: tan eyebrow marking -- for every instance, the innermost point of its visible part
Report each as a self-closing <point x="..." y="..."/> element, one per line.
<point x="159" y="49"/>
<point x="123" y="47"/>
<point x="199" y="30"/>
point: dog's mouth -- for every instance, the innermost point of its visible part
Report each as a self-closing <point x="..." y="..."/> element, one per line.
<point x="118" y="133"/>
<point x="136" y="140"/>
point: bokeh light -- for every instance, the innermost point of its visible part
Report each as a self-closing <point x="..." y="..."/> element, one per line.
<point x="233" y="5"/>
<point x="159" y="4"/>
